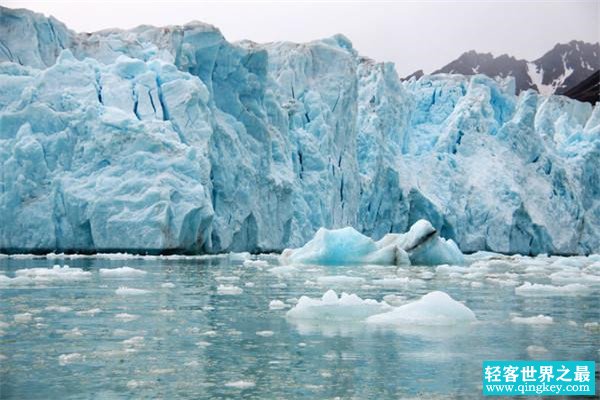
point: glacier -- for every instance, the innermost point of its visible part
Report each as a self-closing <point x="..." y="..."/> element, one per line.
<point x="172" y="139"/>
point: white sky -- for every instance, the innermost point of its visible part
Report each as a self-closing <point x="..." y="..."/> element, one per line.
<point x="413" y="34"/>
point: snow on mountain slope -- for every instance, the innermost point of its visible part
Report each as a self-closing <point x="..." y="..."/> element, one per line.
<point x="173" y="139"/>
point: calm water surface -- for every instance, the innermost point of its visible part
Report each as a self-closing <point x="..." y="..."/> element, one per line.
<point x="80" y="337"/>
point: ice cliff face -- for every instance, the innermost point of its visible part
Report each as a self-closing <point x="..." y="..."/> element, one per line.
<point x="173" y="139"/>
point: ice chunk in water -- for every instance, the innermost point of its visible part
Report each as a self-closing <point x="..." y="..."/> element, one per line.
<point x="330" y="307"/>
<point x="229" y="290"/>
<point x="240" y="384"/>
<point x="420" y="245"/>
<point x="65" y="359"/>
<point x="123" y="272"/>
<point x="277" y="305"/>
<point x="126" y="291"/>
<point x="435" y="308"/>
<point x="536" y="320"/>
<point x="332" y="247"/>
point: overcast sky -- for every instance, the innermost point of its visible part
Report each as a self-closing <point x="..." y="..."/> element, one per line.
<point x="413" y="34"/>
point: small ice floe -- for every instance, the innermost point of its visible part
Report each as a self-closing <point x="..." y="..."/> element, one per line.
<point x="593" y="326"/>
<point x="167" y="285"/>
<point x="227" y="278"/>
<point x="340" y="280"/>
<point x="139" y="384"/>
<point x="536" y="351"/>
<point x="435" y="308"/>
<point x="127" y="291"/>
<point x="136" y="341"/>
<point x="259" y="264"/>
<point x="58" y="309"/>
<point x="330" y="307"/>
<point x="123" y="272"/>
<point x="51" y="275"/>
<point x="88" y="313"/>
<point x="74" y="333"/>
<point x="229" y="290"/>
<point x="23" y="318"/>
<point x="65" y="359"/>
<point x="242" y="384"/>
<point x="125" y="317"/>
<point x="538" y="289"/>
<point x="277" y="305"/>
<point x="535" y="320"/>
<point x="265" y="333"/>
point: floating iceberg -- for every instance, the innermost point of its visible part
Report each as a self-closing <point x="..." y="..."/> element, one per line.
<point x="435" y="308"/>
<point x="330" y="307"/>
<point x="420" y="245"/>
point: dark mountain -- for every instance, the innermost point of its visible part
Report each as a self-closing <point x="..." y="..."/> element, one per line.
<point x="472" y="62"/>
<point x="556" y="72"/>
<point x="588" y="90"/>
<point x="566" y="65"/>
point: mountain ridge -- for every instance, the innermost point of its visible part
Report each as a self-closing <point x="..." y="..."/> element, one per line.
<point x="555" y="72"/>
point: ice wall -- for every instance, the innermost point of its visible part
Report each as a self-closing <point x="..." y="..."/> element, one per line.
<point x="174" y="139"/>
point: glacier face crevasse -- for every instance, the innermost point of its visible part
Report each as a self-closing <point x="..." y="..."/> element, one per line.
<point x="173" y="139"/>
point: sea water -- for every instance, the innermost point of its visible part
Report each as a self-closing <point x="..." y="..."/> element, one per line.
<point x="208" y="327"/>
